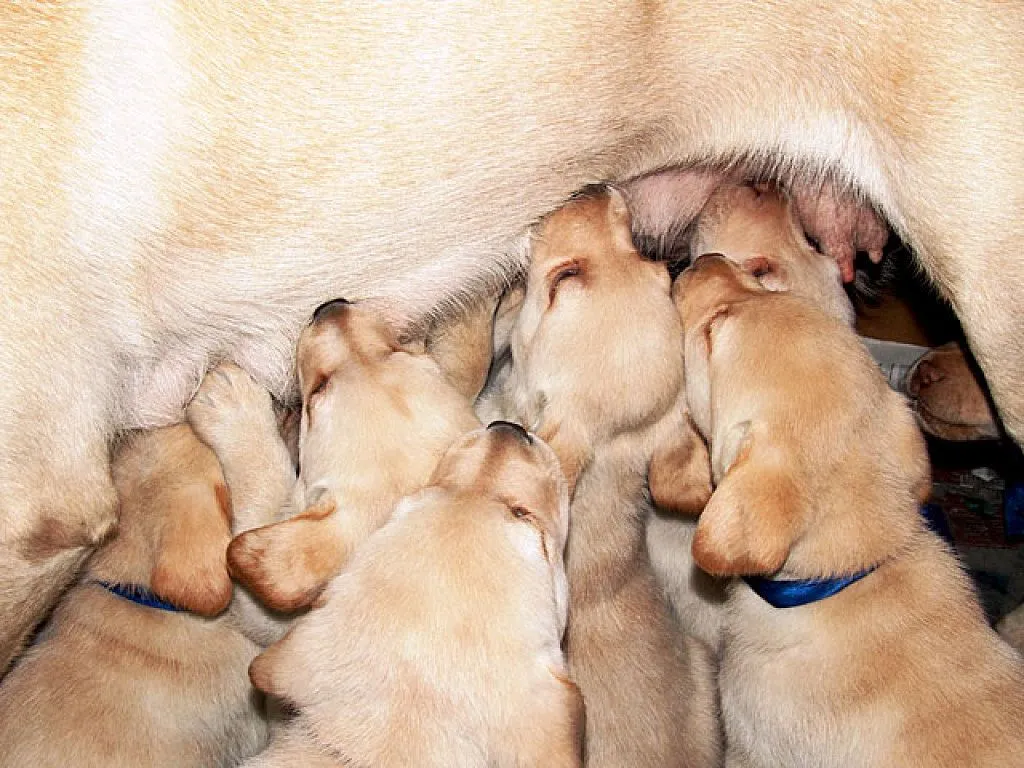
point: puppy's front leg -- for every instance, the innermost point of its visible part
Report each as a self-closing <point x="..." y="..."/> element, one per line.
<point x="234" y="416"/>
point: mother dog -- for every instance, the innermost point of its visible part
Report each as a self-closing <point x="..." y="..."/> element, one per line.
<point x="184" y="181"/>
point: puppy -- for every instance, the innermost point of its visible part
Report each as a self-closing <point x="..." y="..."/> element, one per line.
<point x="184" y="182"/>
<point x="754" y="226"/>
<point x="440" y="642"/>
<point x="949" y="398"/>
<point x="598" y="369"/>
<point x="140" y="664"/>
<point x="377" y="416"/>
<point x="855" y="638"/>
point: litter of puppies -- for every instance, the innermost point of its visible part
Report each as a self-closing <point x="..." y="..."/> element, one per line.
<point x="688" y="536"/>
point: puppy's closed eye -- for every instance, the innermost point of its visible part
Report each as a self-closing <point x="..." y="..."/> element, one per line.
<point x="560" y="274"/>
<point x="522" y="514"/>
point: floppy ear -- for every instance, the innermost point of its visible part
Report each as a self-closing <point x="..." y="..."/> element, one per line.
<point x="191" y="568"/>
<point x="287" y="564"/>
<point x="755" y="515"/>
<point x="680" y="473"/>
<point x="463" y="347"/>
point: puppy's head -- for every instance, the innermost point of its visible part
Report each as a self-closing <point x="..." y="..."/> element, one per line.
<point x="703" y="296"/>
<point x="175" y="521"/>
<point x="596" y="328"/>
<point x="487" y="534"/>
<point x="367" y="397"/>
<point x="821" y="478"/>
<point x="756" y="227"/>
<point x="505" y="463"/>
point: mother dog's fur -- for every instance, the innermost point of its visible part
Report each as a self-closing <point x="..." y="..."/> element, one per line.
<point x="182" y="182"/>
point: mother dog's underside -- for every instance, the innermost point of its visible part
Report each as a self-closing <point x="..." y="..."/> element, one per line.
<point x="184" y="182"/>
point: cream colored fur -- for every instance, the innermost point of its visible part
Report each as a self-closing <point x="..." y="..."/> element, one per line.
<point x="819" y="471"/>
<point x="597" y="369"/>
<point x="184" y="182"/>
<point x="439" y="644"/>
<point x="756" y="228"/>
<point x="112" y="684"/>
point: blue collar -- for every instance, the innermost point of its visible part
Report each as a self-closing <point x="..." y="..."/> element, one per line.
<point x="139" y="595"/>
<point x="780" y="593"/>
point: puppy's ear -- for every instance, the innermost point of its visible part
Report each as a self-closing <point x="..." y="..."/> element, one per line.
<point x="287" y="564"/>
<point x="619" y="221"/>
<point x="463" y="347"/>
<point x="680" y="473"/>
<point x="754" y="517"/>
<point x="505" y="316"/>
<point x="191" y="568"/>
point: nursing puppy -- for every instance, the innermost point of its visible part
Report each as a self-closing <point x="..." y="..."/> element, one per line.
<point x="439" y="644"/>
<point x="598" y="370"/>
<point x="183" y="183"/>
<point x="377" y="415"/>
<point x="754" y="226"/>
<point x="140" y="664"/>
<point x="819" y="471"/>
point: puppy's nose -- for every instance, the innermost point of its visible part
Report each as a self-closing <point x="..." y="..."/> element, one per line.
<point x="329" y="308"/>
<point x="515" y="429"/>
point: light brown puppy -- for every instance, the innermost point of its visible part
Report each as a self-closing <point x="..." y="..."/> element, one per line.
<point x="184" y="182"/>
<point x="440" y="642"/>
<point x="598" y="371"/>
<point x="949" y="398"/>
<point x="377" y="416"/>
<point x="754" y="226"/>
<point x="819" y="471"/>
<point x="115" y="682"/>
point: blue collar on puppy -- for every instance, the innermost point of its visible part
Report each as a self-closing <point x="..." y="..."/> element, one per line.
<point x="780" y="593"/>
<point x="139" y="595"/>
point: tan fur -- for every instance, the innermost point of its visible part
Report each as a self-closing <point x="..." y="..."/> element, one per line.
<point x="598" y="371"/>
<point x="949" y="397"/>
<point x="439" y="644"/>
<point x="184" y="182"/>
<point x="819" y="472"/>
<point x="112" y="683"/>
<point x="756" y="227"/>
<point x="377" y="416"/>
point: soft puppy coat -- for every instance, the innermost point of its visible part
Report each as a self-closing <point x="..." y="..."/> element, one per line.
<point x="377" y="415"/>
<point x="184" y="182"/>
<point x="819" y="471"/>
<point x="439" y="644"/>
<point x="111" y="682"/>
<point x="597" y="369"/>
<point x="755" y="227"/>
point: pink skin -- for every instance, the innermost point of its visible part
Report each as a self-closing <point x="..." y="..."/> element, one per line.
<point x="664" y="204"/>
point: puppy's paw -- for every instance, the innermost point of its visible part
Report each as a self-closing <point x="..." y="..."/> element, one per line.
<point x="230" y="411"/>
<point x="286" y="565"/>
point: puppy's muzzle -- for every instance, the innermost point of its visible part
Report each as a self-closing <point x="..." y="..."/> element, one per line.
<point x="515" y="429"/>
<point x="329" y="308"/>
